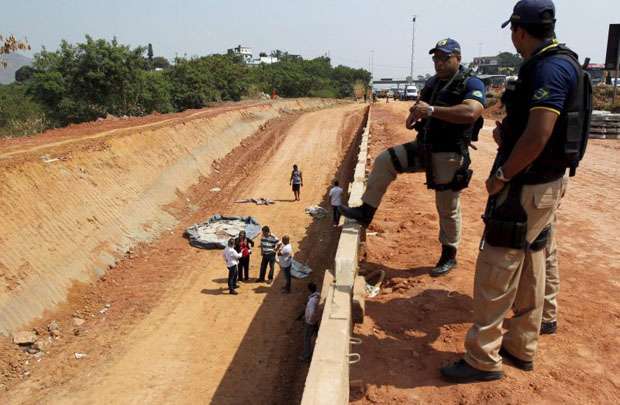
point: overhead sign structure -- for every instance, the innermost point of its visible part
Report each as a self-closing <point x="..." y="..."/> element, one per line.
<point x="613" y="45"/>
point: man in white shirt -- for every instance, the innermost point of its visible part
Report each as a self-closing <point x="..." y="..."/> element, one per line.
<point x="285" y="258"/>
<point x="335" y="198"/>
<point x="231" y="257"/>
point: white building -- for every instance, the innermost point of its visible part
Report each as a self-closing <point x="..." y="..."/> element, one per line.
<point x="267" y="60"/>
<point x="243" y="51"/>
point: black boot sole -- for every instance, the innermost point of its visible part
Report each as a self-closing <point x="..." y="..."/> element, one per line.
<point x="491" y="376"/>
<point x="515" y="361"/>
<point x="351" y="213"/>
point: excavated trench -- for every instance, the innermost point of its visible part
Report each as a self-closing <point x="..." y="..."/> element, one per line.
<point x="71" y="209"/>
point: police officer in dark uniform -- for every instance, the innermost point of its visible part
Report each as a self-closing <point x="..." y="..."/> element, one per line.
<point x="446" y="118"/>
<point x="538" y="140"/>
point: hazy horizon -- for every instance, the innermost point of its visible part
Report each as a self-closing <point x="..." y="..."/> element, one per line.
<point x="347" y="31"/>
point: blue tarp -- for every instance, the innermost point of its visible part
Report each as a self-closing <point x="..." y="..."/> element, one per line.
<point x="215" y="232"/>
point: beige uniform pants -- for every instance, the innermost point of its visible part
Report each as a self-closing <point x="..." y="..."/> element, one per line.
<point x="514" y="279"/>
<point x="448" y="202"/>
<point x="552" y="279"/>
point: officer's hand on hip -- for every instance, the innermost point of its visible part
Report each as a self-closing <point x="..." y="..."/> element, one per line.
<point x="494" y="185"/>
<point x="498" y="133"/>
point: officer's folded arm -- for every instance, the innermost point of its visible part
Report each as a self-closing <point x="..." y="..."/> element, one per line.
<point x="531" y="144"/>
<point x="465" y="113"/>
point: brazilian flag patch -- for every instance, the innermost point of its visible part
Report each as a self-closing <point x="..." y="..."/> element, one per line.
<point x="541" y="94"/>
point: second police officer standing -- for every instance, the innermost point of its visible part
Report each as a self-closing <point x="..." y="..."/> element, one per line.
<point x="544" y="133"/>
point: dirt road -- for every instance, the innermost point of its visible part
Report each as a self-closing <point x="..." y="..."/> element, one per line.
<point x="172" y="334"/>
<point x="419" y="324"/>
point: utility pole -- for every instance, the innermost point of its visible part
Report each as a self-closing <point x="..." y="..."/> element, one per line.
<point x="615" y="83"/>
<point x="412" y="45"/>
<point x="372" y="63"/>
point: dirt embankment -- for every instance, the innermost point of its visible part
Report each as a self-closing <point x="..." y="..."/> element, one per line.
<point x="73" y="203"/>
<point x="160" y="327"/>
<point x="419" y="323"/>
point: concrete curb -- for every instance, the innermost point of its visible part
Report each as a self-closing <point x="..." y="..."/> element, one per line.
<point x="327" y="382"/>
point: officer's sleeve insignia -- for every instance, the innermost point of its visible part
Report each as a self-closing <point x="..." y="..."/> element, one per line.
<point x="477" y="93"/>
<point x="541" y="94"/>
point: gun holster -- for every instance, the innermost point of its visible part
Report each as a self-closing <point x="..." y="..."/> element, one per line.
<point x="461" y="180"/>
<point x="507" y="227"/>
<point x="541" y="240"/>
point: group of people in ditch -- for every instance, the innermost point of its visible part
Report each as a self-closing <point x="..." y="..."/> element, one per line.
<point x="237" y="258"/>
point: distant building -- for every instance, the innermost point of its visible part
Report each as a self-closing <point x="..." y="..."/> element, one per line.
<point x="267" y="60"/>
<point x="597" y="73"/>
<point x="243" y="51"/>
<point x="486" y="65"/>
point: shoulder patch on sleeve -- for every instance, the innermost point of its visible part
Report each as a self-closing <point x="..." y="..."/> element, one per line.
<point x="541" y="94"/>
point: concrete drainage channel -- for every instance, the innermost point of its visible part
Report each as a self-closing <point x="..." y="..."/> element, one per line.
<point x="342" y="296"/>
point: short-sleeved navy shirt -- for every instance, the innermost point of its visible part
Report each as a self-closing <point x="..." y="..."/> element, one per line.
<point x="555" y="78"/>
<point x="475" y="90"/>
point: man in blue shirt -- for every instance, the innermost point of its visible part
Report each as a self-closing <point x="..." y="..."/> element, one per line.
<point x="526" y="190"/>
<point x="445" y="116"/>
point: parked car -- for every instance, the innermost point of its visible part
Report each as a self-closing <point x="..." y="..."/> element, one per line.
<point x="411" y="92"/>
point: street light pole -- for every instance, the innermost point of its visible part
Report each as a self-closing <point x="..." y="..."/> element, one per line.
<point x="372" y="63"/>
<point x="412" y="45"/>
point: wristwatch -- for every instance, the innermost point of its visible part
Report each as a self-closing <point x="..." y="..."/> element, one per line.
<point x="499" y="175"/>
<point x="430" y="110"/>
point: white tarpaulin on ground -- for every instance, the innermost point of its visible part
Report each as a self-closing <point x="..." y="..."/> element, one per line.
<point x="316" y="212"/>
<point x="215" y="232"/>
<point x="300" y="270"/>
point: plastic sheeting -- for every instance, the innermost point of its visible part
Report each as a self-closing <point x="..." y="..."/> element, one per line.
<point x="316" y="212"/>
<point x="300" y="270"/>
<point x="215" y="232"/>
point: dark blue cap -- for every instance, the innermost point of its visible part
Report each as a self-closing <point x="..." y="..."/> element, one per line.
<point x="447" y="45"/>
<point x="531" y="12"/>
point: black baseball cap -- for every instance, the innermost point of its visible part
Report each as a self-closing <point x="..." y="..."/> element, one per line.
<point x="531" y="12"/>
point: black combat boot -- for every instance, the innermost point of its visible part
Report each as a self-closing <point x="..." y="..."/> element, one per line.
<point x="446" y="262"/>
<point x="515" y="361"/>
<point x="461" y="372"/>
<point x="548" y="328"/>
<point x="362" y="214"/>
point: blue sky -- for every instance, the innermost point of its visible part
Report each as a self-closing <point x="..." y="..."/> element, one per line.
<point x="346" y="29"/>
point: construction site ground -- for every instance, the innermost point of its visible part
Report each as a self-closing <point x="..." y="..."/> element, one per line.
<point x="418" y="323"/>
<point x="160" y="327"/>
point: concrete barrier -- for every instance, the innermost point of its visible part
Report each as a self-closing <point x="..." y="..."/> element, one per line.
<point x="327" y="382"/>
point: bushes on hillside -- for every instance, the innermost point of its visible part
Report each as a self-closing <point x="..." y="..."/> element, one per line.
<point x="84" y="81"/>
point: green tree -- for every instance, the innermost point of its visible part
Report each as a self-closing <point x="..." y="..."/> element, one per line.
<point x="507" y="59"/>
<point x="159" y="62"/>
<point x="89" y="80"/>
<point x="24" y="73"/>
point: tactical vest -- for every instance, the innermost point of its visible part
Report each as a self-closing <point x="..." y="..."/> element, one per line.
<point x="551" y="164"/>
<point x="445" y="136"/>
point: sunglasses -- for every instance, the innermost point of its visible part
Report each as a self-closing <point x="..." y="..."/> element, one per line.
<point x="441" y="58"/>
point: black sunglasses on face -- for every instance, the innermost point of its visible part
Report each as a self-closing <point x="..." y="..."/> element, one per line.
<point x="441" y="58"/>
